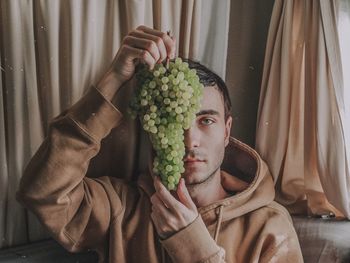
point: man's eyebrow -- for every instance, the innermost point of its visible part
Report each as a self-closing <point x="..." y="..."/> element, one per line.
<point x="208" y="112"/>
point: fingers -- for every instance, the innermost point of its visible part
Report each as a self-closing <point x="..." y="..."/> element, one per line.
<point x="144" y="44"/>
<point x="158" y="42"/>
<point x="161" y="216"/>
<point x="137" y="53"/>
<point x="158" y="206"/>
<point x="184" y="195"/>
<point x="168" y="214"/>
<point x="148" y="45"/>
<point x="166" y="196"/>
<point x="168" y="41"/>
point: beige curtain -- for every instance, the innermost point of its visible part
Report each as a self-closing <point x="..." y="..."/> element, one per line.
<point x="302" y="126"/>
<point x="52" y="51"/>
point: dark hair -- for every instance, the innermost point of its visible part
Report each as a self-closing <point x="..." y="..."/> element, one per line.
<point x="209" y="78"/>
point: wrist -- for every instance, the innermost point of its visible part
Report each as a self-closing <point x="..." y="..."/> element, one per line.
<point x="109" y="85"/>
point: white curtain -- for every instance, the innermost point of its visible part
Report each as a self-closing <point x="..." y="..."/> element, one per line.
<point x="52" y="51"/>
<point x="303" y="119"/>
<point x="343" y="28"/>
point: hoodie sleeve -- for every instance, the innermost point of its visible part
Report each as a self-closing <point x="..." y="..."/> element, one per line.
<point x="194" y="244"/>
<point x="278" y="240"/>
<point x="75" y="210"/>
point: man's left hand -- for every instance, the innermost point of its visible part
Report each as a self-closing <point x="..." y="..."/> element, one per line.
<point x="168" y="214"/>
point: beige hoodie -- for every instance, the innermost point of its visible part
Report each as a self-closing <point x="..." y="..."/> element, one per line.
<point x="113" y="217"/>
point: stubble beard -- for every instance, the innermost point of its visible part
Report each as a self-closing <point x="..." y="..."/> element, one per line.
<point x="196" y="186"/>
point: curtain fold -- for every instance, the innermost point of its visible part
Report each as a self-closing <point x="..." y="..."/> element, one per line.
<point x="332" y="127"/>
<point x="51" y="52"/>
<point x="301" y="118"/>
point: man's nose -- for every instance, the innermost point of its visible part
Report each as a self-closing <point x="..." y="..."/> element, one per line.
<point x="192" y="137"/>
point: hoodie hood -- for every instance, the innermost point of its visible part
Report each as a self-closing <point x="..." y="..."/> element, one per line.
<point x="244" y="174"/>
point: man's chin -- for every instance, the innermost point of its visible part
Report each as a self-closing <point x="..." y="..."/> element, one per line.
<point x="193" y="178"/>
<point x="197" y="177"/>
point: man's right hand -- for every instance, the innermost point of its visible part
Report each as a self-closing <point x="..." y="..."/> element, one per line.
<point x="142" y="45"/>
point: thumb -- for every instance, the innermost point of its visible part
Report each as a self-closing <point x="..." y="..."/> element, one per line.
<point x="184" y="195"/>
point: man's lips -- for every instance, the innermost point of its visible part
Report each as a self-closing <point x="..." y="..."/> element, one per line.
<point x="192" y="160"/>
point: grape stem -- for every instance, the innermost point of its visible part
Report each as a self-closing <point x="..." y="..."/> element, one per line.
<point x="167" y="58"/>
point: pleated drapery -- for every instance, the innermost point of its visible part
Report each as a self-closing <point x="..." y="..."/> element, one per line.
<point x="51" y="52"/>
<point x="302" y="128"/>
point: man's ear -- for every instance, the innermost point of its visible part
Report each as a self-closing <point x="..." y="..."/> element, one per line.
<point x="228" y="125"/>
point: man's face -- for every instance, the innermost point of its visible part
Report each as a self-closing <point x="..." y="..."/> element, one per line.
<point x="207" y="138"/>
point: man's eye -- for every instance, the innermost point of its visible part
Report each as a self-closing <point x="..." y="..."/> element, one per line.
<point x="207" y="121"/>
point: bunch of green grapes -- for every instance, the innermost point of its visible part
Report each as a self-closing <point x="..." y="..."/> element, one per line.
<point x="166" y="101"/>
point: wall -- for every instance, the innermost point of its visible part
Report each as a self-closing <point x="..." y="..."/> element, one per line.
<point x="249" y="22"/>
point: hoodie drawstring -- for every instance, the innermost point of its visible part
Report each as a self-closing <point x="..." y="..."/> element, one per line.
<point x="163" y="254"/>
<point x="218" y="224"/>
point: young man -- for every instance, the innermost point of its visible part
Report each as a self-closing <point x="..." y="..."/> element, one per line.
<point x="213" y="217"/>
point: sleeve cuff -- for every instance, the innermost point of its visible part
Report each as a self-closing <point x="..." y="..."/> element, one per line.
<point x="96" y="115"/>
<point x="191" y="244"/>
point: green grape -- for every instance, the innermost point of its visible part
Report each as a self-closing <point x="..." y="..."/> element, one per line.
<point x="169" y="168"/>
<point x="176" y="81"/>
<point x="143" y="93"/>
<point x="144" y="102"/>
<point x="180" y="76"/>
<point x="186" y="95"/>
<point x="153" y="108"/>
<point x="153" y="129"/>
<point x="162" y="70"/>
<point x="165" y="80"/>
<point x="178" y="110"/>
<point x="174" y="72"/>
<point x="179" y="118"/>
<point x="171" y="179"/>
<point x="173" y="104"/>
<point x="152" y="84"/>
<point x="166" y="101"/>
<point x="165" y="93"/>
<point x="178" y="61"/>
